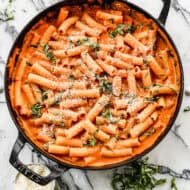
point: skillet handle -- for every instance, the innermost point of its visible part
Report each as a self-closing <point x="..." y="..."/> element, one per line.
<point x="22" y="168"/>
<point x="165" y="10"/>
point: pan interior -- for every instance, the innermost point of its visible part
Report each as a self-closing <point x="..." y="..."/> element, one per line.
<point x="49" y="15"/>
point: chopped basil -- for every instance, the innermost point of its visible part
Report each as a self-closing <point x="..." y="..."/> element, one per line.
<point x="78" y="42"/>
<point x="6" y="14"/>
<point x="138" y="175"/>
<point x="108" y="105"/>
<point x="51" y="121"/>
<point x="161" y="85"/>
<point x="187" y="108"/>
<point x="118" y="30"/>
<point x="105" y="86"/>
<point x="106" y="114"/>
<point x="122" y="29"/>
<point x="173" y="185"/>
<point x="56" y="100"/>
<point x="36" y="109"/>
<point x="48" y="53"/>
<point x="145" y="62"/>
<point x="132" y="97"/>
<point x="28" y="63"/>
<point x="149" y="132"/>
<point x="44" y="95"/>
<point x="114" y="120"/>
<point x="71" y="76"/>
<point x="96" y="47"/>
<point x="62" y="124"/>
<point x="53" y="136"/>
<point x="46" y="145"/>
<point x="85" y="40"/>
<point x="97" y="130"/>
<point x="151" y="99"/>
<point x="90" y="142"/>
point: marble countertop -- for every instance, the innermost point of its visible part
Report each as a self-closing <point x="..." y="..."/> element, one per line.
<point x="173" y="151"/>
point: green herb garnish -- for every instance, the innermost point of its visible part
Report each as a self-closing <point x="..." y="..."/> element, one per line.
<point x="36" y="109"/>
<point x="90" y="142"/>
<point x="48" y="53"/>
<point x="122" y="29"/>
<point x="145" y="62"/>
<point x="149" y="132"/>
<point x="53" y="136"/>
<point x="187" y="109"/>
<point x="6" y="15"/>
<point x="139" y="175"/>
<point x="78" y="42"/>
<point x="131" y="98"/>
<point x="56" y="101"/>
<point x="28" y="63"/>
<point x="151" y="99"/>
<point x="96" y="47"/>
<point x="173" y="185"/>
<point x="62" y="124"/>
<point x="44" y="95"/>
<point x="106" y="114"/>
<point x="105" y="86"/>
<point x="71" y="76"/>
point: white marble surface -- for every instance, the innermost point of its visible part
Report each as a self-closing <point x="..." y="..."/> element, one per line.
<point x="173" y="151"/>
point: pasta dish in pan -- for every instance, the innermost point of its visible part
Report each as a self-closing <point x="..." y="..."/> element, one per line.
<point x="94" y="86"/>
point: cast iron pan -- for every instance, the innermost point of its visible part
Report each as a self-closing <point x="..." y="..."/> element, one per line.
<point x="22" y="139"/>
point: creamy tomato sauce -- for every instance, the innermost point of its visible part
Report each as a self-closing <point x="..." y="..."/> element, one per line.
<point x="94" y="86"/>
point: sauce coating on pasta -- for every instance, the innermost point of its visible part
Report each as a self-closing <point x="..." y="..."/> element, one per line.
<point x="94" y="86"/>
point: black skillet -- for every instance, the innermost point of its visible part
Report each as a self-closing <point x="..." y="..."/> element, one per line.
<point x="22" y="139"/>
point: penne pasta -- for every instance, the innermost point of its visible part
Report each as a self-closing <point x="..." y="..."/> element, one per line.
<point x="75" y="130"/>
<point x="116" y="87"/>
<point x="56" y="149"/>
<point x="91" y="64"/>
<point x="129" y="58"/>
<point x="107" y="16"/>
<point x="164" y="90"/>
<point x="98" y="107"/>
<point x="68" y="142"/>
<point x="131" y="81"/>
<point x="88" y="30"/>
<point x="116" y="152"/>
<point x="107" y="68"/>
<point x="82" y="152"/>
<point x="134" y="43"/>
<point x="44" y="82"/>
<point x="67" y="23"/>
<point x="92" y="23"/>
<point x="155" y="67"/>
<point x="91" y="128"/>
